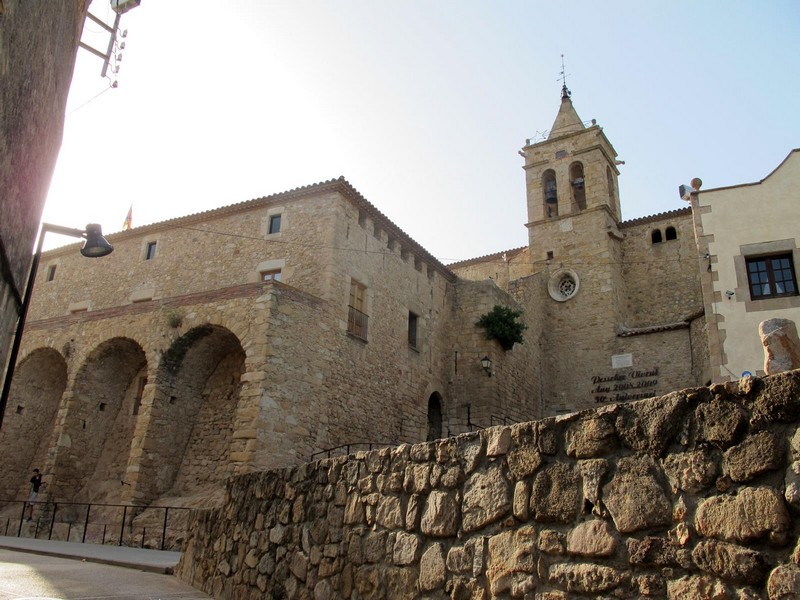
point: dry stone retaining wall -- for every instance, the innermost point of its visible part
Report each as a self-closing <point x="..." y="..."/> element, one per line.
<point x="692" y="495"/>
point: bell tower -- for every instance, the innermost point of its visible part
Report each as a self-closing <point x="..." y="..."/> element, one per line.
<point x="572" y="170"/>
<point x="576" y="253"/>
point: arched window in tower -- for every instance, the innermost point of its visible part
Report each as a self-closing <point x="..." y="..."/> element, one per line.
<point x="670" y="233"/>
<point x="550" y="193"/>
<point x="655" y="236"/>
<point x="434" y="417"/>
<point x="610" y="178"/>
<point x="578" y="185"/>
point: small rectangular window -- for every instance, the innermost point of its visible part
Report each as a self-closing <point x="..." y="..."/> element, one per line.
<point x="771" y="277"/>
<point x="51" y="272"/>
<point x="273" y="275"/>
<point x="150" y="252"/>
<point x="412" y="329"/>
<point x="357" y="318"/>
<point x="274" y="224"/>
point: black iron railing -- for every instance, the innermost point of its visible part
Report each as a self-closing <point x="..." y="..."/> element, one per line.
<point x="357" y="323"/>
<point x="120" y="524"/>
<point x="346" y="449"/>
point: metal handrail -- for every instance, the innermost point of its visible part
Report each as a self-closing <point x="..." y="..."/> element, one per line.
<point x="54" y="507"/>
<point x="370" y="446"/>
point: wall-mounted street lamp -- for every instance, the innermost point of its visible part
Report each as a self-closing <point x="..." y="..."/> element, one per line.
<point x="486" y="363"/>
<point x="95" y="246"/>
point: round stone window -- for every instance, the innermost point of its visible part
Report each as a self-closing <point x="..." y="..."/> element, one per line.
<point x="563" y="285"/>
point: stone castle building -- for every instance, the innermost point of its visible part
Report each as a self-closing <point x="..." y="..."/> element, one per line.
<point x="264" y="333"/>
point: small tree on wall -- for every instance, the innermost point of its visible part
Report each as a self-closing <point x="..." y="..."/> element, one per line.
<point x="501" y="324"/>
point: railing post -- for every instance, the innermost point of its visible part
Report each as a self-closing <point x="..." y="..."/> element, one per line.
<point x="21" y="520"/>
<point x="164" y="529"/>
<point x="52" y="521"/>
<point x="122" y="529"/>
<point x="86" y="523"/>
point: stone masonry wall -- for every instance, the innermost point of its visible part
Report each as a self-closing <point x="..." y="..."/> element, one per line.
<point x="38" y="44"/>
<point x="511" y="394"/>
<point x="662" y="280"/>
<point x="690" y="496"/>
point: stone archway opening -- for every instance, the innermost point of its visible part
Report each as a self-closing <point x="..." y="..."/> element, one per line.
<point x="39" y="382"/>
<point x="200" y="379"/>
<point x="434" y="417"/>
<point x="100" y="425"/>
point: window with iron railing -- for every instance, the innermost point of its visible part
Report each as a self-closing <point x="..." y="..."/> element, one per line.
<point x="357" y="319"/>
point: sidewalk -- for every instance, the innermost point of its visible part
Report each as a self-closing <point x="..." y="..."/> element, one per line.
<point x="154" y="561"/>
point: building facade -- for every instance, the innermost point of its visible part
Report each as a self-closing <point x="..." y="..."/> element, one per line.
<point x="278" y="330"/>
<point x="748" y="236"/>
<point x="252" y="336"/>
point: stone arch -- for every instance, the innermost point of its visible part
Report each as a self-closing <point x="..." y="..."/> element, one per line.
<point x="434" y="417"/>
<point x="100" y="422"/>
<point x="655" y="236"/>
<point x="550" y="193"/>
<point x="578" y="185"/>
<point x="193" y="413"/>
<point x="36" y="390"/>
<point x="670" y="233"/>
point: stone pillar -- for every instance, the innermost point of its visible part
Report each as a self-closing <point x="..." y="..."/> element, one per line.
<point x="781" y="345"/>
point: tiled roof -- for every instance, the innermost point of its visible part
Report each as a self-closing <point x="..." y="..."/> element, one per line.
<point x="683" y="324"/>
<point x="488" y="257"/>
<point x="340" y="185"/>
<point x="678" y="212"/>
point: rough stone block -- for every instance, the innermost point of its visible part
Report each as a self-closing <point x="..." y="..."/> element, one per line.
<point x="441" y="515"/>
<point x="390" y="513"/>
<point x="731" y="562"/>
<point x="650" y="425"/>
<point x="697" y="587"/>
<point x="636" y="502"/>
<point x="406" y="549"/>
<point x="784" y="583"/>
<point x="432" y="570"/>
<point x="590" y="437"/>
<point x="555" y="495"/>
<point x="656" y="551"/>
<point x="510" y="553"/>
<point x="692" y="471"/>
<point x="585" y="578"/>
<point x="591" y="538"/>
<point x="498" y="441"/>
<point x="486" y="498"/>
<point x="757" y="454"/>
<point x="523" y="461"/>
<point x="753" y="514"/>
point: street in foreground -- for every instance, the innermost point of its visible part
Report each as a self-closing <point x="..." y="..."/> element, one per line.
<point x="25" y="576"/>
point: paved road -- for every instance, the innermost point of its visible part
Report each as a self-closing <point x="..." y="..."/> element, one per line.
<point x="25" y="576"/>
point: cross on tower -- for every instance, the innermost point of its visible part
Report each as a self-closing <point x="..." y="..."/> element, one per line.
<point x="565" y="93"/>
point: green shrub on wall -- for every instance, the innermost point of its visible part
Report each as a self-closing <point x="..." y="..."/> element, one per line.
<point x="501" y="324"/>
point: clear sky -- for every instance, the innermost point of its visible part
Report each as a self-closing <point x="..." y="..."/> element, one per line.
<point x="421" y="104"/>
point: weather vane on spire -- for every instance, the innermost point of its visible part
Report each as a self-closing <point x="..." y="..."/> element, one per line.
<point x="565" y="93"/>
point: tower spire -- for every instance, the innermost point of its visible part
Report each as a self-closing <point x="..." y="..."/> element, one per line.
<point x="565" y="93"/>
<point x="567" y="120"/>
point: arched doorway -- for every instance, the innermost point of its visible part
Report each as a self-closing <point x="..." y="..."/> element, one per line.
<point x="434" y="417"/>
<point x="100" y="423"/>
<point x="199" y="382"/>
<point x="39" y="383"/>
